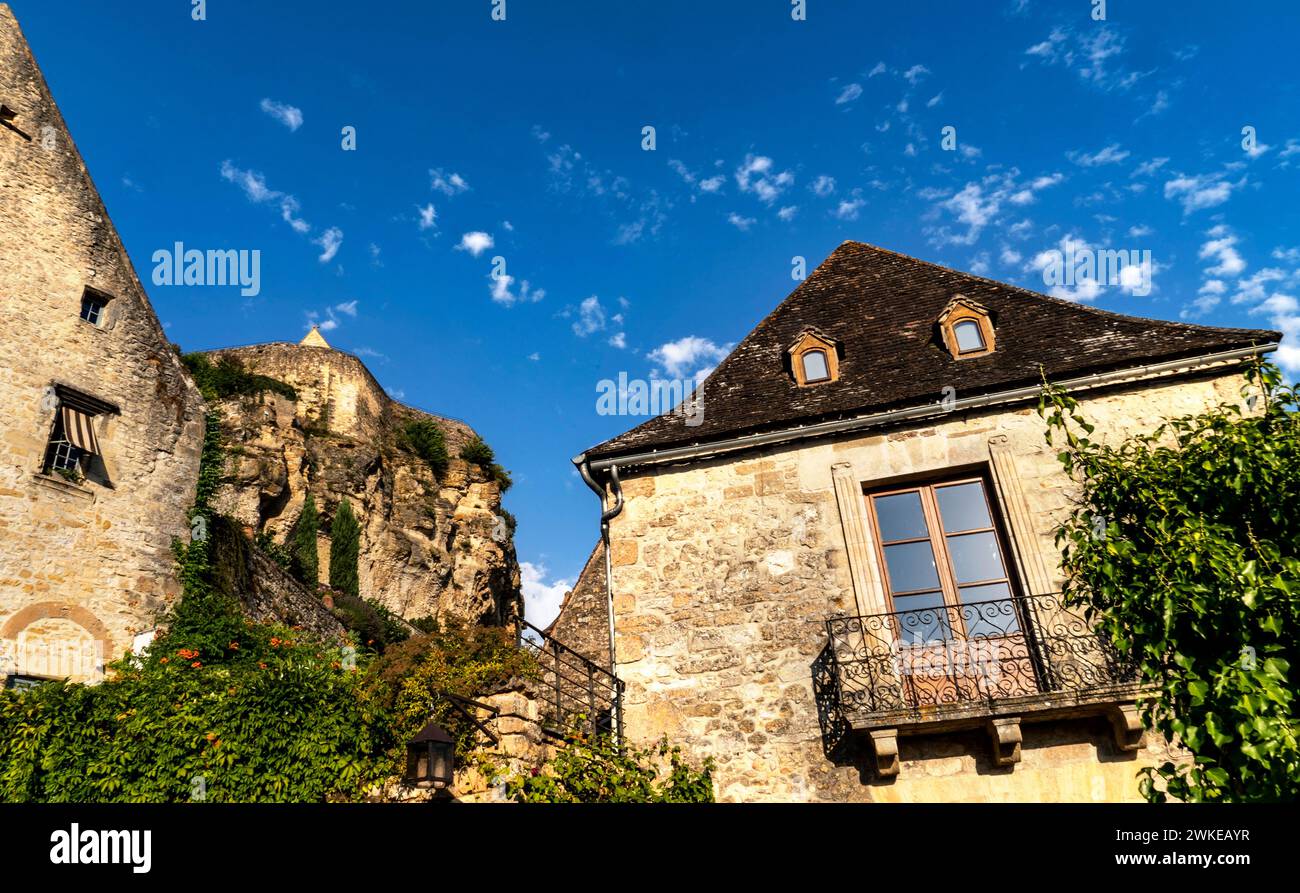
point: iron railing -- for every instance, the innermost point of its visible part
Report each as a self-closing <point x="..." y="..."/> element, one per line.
<point x="962" y="654"/>
<point x="575" y="691"/>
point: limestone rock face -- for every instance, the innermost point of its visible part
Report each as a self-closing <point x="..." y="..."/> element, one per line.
<point x="430" y="545"/>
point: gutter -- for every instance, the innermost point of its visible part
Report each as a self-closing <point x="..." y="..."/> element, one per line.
<point x="928" y="410"/>
<point x="606" y="516"/>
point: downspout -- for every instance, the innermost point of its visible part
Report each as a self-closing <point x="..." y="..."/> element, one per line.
<point x="607" y="515"/>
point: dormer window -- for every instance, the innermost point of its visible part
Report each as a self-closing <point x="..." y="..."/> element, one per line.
<point x="815" y="367"/>
<point x="966" y="329"/>
<point x="94" y="307"/>
<point x="814" y="359"/>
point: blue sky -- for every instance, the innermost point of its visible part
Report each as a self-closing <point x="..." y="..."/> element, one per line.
<point x="775" y="138"/>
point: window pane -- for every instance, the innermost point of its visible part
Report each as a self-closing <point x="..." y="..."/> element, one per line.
<point x="911" y="566"/>
<point x="969" y="336"/>
<point x="922" y="618"/>
<point x="900" y="517"/>
<point x="814" y="366"/>
<point x="975" y="557"/>
<point x="962" y="507"/>
<point x="989" y="611"/>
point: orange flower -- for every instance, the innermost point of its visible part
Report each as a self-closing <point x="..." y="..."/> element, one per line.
<point x="275" y="640"/>
<point x="234" y="646"/>
<point x="164" y="660"/>
<point x="211" y="736"/>
<point x="261" y="665"/>
<point x="197" y="664"/>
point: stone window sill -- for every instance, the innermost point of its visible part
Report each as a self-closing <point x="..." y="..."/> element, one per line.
<point x="59" y="485"/>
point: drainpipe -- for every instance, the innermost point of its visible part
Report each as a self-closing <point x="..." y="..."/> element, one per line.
<point x="607" y="515"/>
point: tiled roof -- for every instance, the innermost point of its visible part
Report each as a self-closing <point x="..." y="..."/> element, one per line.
<point x="881" y="309"/>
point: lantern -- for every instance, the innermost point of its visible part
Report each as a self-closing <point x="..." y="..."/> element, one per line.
<point x="430" y="758"/>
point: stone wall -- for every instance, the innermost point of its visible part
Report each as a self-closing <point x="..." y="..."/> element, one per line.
<point x="84" y="567"/>
<point x="725" y="571"/>
<point x="430" y="545"/>
<point x="583" y="621"/>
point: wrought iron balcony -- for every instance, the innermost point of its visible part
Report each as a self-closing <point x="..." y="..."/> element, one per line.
<point x="961" y="661"/>
<point x="574" y="690"/>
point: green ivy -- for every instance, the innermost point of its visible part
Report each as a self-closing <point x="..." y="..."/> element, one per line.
<point x="426" y="440"/>
<point x="594" y="769"/>
<point x="227" y="377"/>
<point x="479" y="453"/>
<point x="1184" y="544"/>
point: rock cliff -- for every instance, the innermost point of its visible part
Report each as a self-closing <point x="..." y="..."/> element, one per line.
<point x="431" y="544"/>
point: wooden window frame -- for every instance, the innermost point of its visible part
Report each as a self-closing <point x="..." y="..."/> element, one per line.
<point x="937" y="537"/>
<point x="962" y="310"/>
<point x="807" y="343"/>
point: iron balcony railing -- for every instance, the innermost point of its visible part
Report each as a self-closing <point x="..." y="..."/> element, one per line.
<point x="963" y="654"/>
<point x="575" y="691"/>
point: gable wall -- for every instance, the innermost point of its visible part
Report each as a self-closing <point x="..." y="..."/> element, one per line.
<point x="725" y="572"/>
<point x="82" y="567"/>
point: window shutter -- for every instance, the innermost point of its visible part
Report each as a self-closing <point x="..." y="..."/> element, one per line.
<point x="79" y="428"/>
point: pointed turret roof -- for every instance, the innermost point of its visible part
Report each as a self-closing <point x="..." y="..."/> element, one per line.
<point x="882" y="310"/>
<point x="314" y="339"/>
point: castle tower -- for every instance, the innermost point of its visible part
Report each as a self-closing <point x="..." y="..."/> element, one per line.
<point x="102" y="426"/>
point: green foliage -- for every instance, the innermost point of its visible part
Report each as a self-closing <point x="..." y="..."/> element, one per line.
<point x="218" y="707"/>
<point x="456" y="658"/>
<point x="302" y="545"/>
<point x="1185" y="545"/>
<point x="478" y="452"/>
<point x="375" y="626"/>
<point x="426" y="440"/>
<point x="593" y="769"/>
<point x="345" y="546"/>
<point x="228" y="378"/>
<point x="273" y="550"/>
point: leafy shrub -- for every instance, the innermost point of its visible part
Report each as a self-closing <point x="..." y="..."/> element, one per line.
<point x="228" y="378"/>
<point x="375" y="626"/>
<point x="593" y="769"/>
<point x="345" y="547"/>
<point x="426" y="440"/>
<point x="478" y="452"/>
<point x="1185" y="544"/>
<point x="273" y="550"/>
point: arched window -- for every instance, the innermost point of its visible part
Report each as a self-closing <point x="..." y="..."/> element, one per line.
<point x="966" y="328"/>
<point x="814" y="359"/>
<point x="815" y="367"/>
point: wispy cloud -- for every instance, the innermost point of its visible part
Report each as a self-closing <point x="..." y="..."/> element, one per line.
<point x="1111" y="154"/>
<point x="447" y="184"/>
<point x="254" y="186"/>
<point x="287" y="115"/>
<point x="1200" y="191"/>
<point x="692" y="357"/>
<point x="758" y="176"/>
<point x="848" y="94"/>
<point x="476" y="243"/>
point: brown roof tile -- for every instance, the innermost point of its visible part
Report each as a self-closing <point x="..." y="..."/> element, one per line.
<point x="881" y="308"/>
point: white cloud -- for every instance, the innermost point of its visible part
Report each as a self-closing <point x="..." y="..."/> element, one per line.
<point x="849" y="93"/>
<point x="741" y="223"/>
<point x="500" y="287"/>
<point x="712" y="184"/>
<point x="329" y="243"/>
<point x="1090" y="53"/>
<point x="255" y="188"/>
<point x="475" y="243"/>
<point x="618" y="340"/>
<point x="1147" y="168"/>
<point x="347" y="307"/>
<point x="447" y="184"/>
<point x="1112" y="154"/>
<point x="878" y="69"/>
<point x="756" y="175"/>
<point x="822" y="186"/>
<point x="849" y="209"/>
<point x="678" y="358"/>
<point x="934" y="100"/>
<point x="915" y="73"/>
<point x="542" y="600"/>
<point x="1228" y="262"/>
<point x="591" y="317"/>
<point x="1202" y="191"/>
<point x="788" y="213"/>
<point x="428" y="217"/>
<point x="286" y="114"/>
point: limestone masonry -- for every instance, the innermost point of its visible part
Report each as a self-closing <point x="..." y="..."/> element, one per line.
<point x="85" y="558"/>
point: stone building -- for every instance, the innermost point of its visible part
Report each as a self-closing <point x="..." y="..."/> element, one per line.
<point x="841" y="582"/>
<point x="102" y="427"/>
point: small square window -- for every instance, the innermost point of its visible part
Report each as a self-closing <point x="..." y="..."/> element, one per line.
<point x="93" y="306"/>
